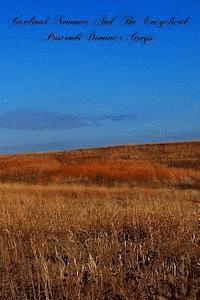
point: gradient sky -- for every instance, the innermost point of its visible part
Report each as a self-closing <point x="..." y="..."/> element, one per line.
<point x="60" y="95"/>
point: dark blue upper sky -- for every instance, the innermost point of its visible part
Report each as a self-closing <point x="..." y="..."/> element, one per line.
<point x="56" y="95"/>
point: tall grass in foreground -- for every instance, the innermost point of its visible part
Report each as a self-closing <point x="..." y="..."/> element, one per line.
<point x="92" y="242"/>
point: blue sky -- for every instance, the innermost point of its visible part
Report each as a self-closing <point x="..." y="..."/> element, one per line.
<point x="58" y="95"/>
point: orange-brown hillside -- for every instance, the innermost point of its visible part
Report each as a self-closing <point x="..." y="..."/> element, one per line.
<point x="164" y="163"/>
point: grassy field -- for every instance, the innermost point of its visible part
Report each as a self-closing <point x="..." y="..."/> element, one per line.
<point x="109" y="223"/>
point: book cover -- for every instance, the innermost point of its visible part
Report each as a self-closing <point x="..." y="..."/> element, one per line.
<point x="99" y="149"/>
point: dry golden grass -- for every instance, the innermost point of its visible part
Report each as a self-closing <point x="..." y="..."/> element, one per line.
<point x="114" y="223"/>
